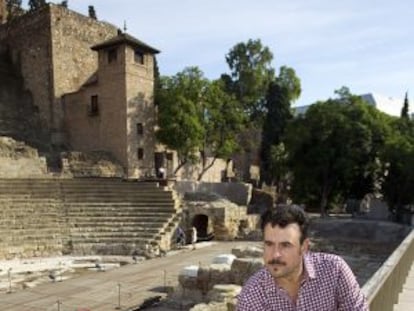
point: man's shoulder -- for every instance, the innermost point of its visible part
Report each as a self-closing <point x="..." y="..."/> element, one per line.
<point x="323" y="257"/>
<point x="325" y="261"/>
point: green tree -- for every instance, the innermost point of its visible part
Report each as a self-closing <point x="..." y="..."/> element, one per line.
<point x="331" y="147"/>
<point x="280" y="94"/>
<point x="14" y="9"/>
<point x="399" y="157"/>
<point x="222" y="121"/>
<point x="64" y="4"/>
<point x="251" y="74"/>
<point x="405" y="109"/>
<point x="36" y="4"/>
<point x="92" y="12"/>
<point x="180" y="114"/>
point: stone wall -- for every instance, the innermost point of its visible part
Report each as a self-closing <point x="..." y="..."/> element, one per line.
<point x="19" y="118"/>
<point x="216" y="173"/>
<point x="225" y="220"/>
<point x="28" y="40"/>
<point x="140" y="109"/>
<point x="51" y="46"/>
<point x="74" y="63"/>
<point x="238" y="193"/>
<point x="19" y="160"/>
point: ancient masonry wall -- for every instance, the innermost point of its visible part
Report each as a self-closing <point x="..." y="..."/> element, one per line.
<point x="74" y="63"/>
<point x="140" y="109"/>
<point x="52" y="48"/>
<point x="28" y="40"/>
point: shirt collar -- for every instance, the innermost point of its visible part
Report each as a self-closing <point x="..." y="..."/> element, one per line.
<point x="309" y="266"/>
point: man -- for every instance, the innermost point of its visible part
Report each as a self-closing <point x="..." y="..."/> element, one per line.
<point x="180" y="234"/>
<point x="294" y="279"/>
<point x="194" y="237"/>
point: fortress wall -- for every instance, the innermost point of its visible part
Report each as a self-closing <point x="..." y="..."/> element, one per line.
<point x="73" y="34"/>
<point x="52" y="48"/>
<point x="74" y="63"/>
<point x="28" y="40"/>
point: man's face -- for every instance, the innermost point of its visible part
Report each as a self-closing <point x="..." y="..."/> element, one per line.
<point x="283" y="253"/>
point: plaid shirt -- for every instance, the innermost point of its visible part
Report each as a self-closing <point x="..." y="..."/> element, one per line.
<point x="329" y="285"/>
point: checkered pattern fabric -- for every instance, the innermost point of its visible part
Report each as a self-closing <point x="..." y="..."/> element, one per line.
<point x="329" y="285"/>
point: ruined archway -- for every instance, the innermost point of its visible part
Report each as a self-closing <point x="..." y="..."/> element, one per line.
<point x="200" y="222"/>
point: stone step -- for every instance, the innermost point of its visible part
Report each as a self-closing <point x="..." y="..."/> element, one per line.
<point x="112" y="238"/>
<point x="116" y="221"/>
<point x="4" y="198"/>
<point x="100" y="204"/>
<point x="122" y="227"/>
<point x="30" y="222"/>
<point x="125" y="218"/>
<point x="75" y="181"/>
<point x="29" y="233"/>
<point x="137" y="213"/>
<point x="120" y="248"/>
<point x="104" y="231"/>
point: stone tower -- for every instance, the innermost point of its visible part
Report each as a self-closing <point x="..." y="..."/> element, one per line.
<point x="3" y="12"/>
<point x="115" y="110"/>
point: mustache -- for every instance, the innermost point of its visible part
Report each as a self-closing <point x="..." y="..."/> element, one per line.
<point x="276" y="262"/>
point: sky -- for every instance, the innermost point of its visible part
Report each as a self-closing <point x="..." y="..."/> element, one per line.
<point x="366" y="45"/>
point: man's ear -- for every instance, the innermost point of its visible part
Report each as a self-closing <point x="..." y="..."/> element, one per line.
<point x="305" y="245"/>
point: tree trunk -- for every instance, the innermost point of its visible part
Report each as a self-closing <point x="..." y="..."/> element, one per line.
<point x="206" y="168"/>
<point x="324" y="201"/>
<point x="179" y="166"/>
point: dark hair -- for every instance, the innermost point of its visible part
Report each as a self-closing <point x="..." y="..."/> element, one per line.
<point x="283" y="215"/>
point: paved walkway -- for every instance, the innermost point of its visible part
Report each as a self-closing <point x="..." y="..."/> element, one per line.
<point x="100" y="291"/>
<point x="406" y="297"/>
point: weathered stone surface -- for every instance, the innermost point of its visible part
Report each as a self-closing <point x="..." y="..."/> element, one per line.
<point x="243" y="268"/>
<point x="224" y="217"/>
<point x="91" y="164"/>
<point x="19" y="160"/>
<point x="224" y="259"/>
<point x="224" y="292"/>
<point x="247" y="252"/>
<point x="213" y="306"/>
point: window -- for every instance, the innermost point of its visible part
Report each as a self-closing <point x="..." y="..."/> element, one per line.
<point x="139" y="57"/>
<point x="94" y="107"/>
<point x="140" y="153"/>
<point x="140" y="129"/>
<point x="112" y="55"/>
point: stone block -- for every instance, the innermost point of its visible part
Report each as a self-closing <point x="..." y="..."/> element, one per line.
<point x="247" y="252"/>
<point x="224" y="259"/>
<point x="224" y="292"/>
<point x="243" y="268"/>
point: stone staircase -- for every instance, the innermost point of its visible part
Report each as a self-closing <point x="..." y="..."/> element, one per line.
<point x="84" y="216"/>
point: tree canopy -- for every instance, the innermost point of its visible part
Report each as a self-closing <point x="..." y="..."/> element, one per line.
<point x="251" y="72"/>
<point x="405" y="109"/>
<point x="14" y="9"/>
<point x="180" y="113"/>
<point x="331" y="147"/>
<point x="197" y="118"/>
<point x="36" y="4"/>
<point x="399" y="159"/>
<point x="280" y="93"/>
<point x="92" y="12"/>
